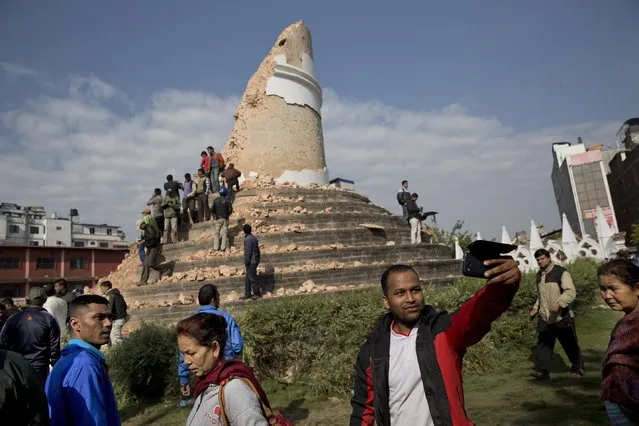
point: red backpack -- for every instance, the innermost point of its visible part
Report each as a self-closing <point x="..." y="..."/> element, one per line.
<point x="273" y="418"/>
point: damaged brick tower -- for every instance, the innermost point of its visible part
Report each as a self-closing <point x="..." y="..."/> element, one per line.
<point x="314" y="238"/>
<point x="278" y="124"/>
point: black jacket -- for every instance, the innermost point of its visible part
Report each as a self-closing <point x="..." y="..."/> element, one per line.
<point x="34" y="334"/>
<point x="22" y="397"/>
<point x="151" y="239"/>
<point x="251" y="250"/>
<point x="413" y="209"/>
<point x="222" y="208"/>
<point x="117" y="304"/>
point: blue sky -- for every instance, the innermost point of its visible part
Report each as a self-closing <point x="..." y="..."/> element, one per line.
<point x="532" y="67"/>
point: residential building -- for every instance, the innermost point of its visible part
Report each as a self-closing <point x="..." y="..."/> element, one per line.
<point x="23" y="266"/>
<point x="623" y="177"/>
<point x="580" y="184"/>
<point x="30" y="226"/>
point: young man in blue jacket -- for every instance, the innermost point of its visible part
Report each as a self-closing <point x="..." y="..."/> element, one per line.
<point x="79" y="388"/>
<point x="209" y="300"/>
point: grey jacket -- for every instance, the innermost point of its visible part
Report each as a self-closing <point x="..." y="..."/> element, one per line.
<point x="243" y="407"/>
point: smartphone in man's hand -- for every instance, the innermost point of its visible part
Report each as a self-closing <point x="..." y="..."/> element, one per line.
<point x="481" y="250"/>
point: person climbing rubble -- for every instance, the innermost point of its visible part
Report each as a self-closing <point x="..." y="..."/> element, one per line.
<point x="221" y="211"/>
<point x="152" y="245"/>
<point x="201" y="198"/>
<point x="217" y="165"/>
<point x="156" y="206"/>
<point x="231" y="178"/>
<point x="171" y="206"/>
<point x="188" y="200"/>
<point x="205" y="164"/>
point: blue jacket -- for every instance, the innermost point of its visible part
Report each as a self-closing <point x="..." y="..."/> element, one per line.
<point x="79" y="389"/>
<point x="234" y="342"/>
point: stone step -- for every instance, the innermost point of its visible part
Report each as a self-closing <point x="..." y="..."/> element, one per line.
<point x="438" y="272"/>
<point x="331" y="195"/>
<point x="404" y="253"/>
<point x="305" y="238"/>
<point x="315" y="206"/>
<point x="316" y="221"/>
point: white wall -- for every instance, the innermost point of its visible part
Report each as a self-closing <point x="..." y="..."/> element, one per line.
<point x="58" y="230"/>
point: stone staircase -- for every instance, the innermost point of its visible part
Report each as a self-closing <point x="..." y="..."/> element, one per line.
<point x="336" y="238"/>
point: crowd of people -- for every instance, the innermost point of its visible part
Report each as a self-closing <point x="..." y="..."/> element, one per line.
<point x="165" y="215"/>
<point x="408" y="371"/>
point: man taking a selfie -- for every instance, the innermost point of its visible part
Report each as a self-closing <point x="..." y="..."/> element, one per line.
<point x="408" y="372"/>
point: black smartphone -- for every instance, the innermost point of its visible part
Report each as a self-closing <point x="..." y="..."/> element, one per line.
<point x="480" y="251"/>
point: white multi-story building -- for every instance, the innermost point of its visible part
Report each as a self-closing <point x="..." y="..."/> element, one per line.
<point x="580" y="185"/>
<point x="31" y="226"/>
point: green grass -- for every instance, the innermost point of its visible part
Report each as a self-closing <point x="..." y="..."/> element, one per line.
<point x="509" y="397"/>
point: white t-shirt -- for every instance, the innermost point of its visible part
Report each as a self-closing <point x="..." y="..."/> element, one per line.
<point x="57" y="307"/>
<point x="406" y="397"/>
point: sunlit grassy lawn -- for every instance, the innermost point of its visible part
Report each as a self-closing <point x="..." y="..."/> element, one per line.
<point x="508" y="397"/>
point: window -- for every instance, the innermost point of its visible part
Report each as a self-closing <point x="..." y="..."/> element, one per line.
<point x="9" y="262"/>
<point x="79" y="263"/>
<point x="59" y="243"/>
<point x="78" y="244"/>
<point x="58" y="228"/>
<point x="45" y="263"/>
<point x="14" y="229"/>
<point x="91" y="231"/>
<point x="109" y="231"/>
<point x="92" y="243"/>
<point x="35" y="243"/>
<point x="34" y="230"/>
<point x="104" y="245"/>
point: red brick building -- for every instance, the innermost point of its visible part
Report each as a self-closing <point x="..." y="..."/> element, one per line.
<point x="22" y="267"/>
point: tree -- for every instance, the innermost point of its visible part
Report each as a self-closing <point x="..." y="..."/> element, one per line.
<point x="634" y="234"/>
<point x="441" y="236"/>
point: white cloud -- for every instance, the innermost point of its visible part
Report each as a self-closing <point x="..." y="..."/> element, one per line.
<point x="77" y="151"/>
<point x="17" y="70"/>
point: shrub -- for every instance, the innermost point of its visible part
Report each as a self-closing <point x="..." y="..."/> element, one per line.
<point x="316" y="338"/>
<point x="144" y="365"/>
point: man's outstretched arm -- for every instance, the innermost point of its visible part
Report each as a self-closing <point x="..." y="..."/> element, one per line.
<point x="470" y="323"/>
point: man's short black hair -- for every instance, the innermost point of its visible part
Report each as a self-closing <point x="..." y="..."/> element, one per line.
<point x="414" y="194"/>
<point x="247" y="228"/>
<point x="542" y="252"/>
<point x="404" y="181"/>
<point x="82" y="302"/>
<point x="203" y="154"/>
<point x="207" y="294"/>
<point x="7" y="301"/>
<point x="169" y="178"/>
<point x="157" y="191"/>
<point x="394" y="269"/>
<point x="62" y="282"/>
<point x="106" y="284"/>
<point x="187" y="176"/>
<point x="210" y="147"/>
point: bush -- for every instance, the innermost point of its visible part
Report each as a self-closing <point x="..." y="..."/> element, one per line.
<point x="316" y="338"/>
<point x="144" y="365"/>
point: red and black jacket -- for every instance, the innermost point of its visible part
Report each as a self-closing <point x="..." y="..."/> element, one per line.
<point x="442" y="340"/>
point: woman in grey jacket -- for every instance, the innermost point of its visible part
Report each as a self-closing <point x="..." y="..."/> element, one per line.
<point x="201" y="339"/>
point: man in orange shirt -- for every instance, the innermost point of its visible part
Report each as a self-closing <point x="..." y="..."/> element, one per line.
<point x="217" y="165"/>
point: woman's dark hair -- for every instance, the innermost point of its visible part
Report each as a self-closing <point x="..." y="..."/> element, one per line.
<point x="205" y="329"/>
<point x="625" y="271"/>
